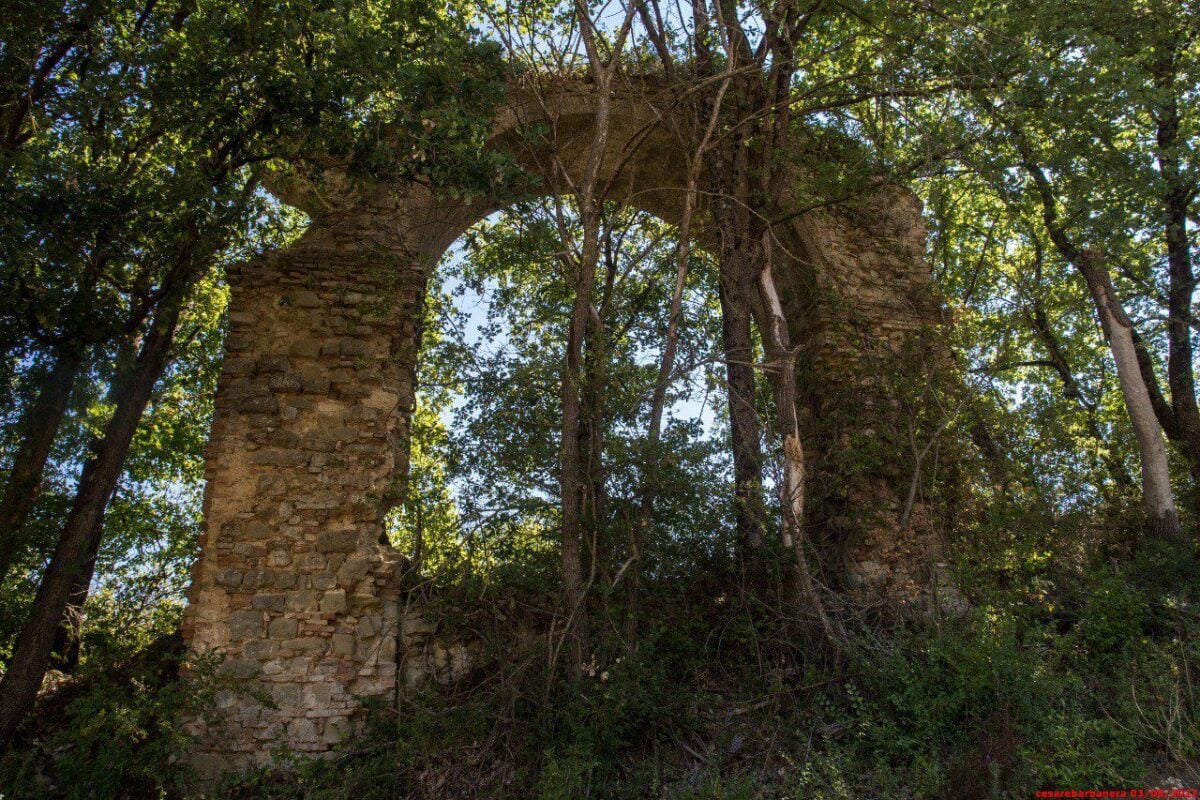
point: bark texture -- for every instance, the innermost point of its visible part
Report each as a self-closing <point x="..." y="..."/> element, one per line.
<point x="39" y="426"/>
<point x="80" y="536"/>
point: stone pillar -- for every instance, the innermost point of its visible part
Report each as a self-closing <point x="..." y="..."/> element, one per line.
<point x="293" y="588"/>
<point x="875" y="332"/>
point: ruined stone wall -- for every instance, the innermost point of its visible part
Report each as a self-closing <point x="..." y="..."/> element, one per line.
<point x="875" y="330"/>
<point x="293" y="587"/>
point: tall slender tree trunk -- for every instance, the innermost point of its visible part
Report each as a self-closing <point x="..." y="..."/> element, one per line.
<point x="783" y="358"/>
<point x="1179" y="189"/>
<point x="589" y="195"/>
<point x="658" y="401"/>
<point x="1039" y="321"/>
<point x="593" y="425"/>
<point x="666" y="365"/>
<point x="68" y="639"/>
<point x="745" y="427"/>
<point x="39" y="426"/>
<point x="81" y="531"/>
<point x="1157" y="496"/>
<point x="727" y="167"/>
<point x="1118" y="329"/>
<point x="574" y="440"/>
<point x="572" y="478"/>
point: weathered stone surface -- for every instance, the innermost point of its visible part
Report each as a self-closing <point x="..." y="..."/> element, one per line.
<point x="283" y="628"/>
<point x="333" y="602"/>
<point x="313" y="414"/>
<point x="337" y="542"/>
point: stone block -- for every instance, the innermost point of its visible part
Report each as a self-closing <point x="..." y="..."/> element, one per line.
<point x="337" y="730"/>
<point x="246" y="624"/>
<point x="351" y="390"/>
<point x="320" y="442"/>
<point x="230" y="577"/>
<point x="312" y="561"/>
<point x="302" y="601"/>
<point x="333" y="602"/>
<point x="345" y="433"/>
<point x="284" y="383"/>
<point x="272" y="363"/>
<point x="283" y="628"/>
<point x="258" y="405"/>
<point x="306" y="644"/>
<point x="256" y="529"/>
<point x="304" y="348"/>
<point x="238" y="342"/>
<point x="370" y="625"/>
<point x="337" y="542"/>
<point x="416" y="625"/>
<point x="305" y="299"/>
<point x="288" y="696"/>
<point x="387" y="649"/>
<point x="250" y="551"/>
<point x="268" y="602"/>
<point x="238" y="366"/>
<point x="354" y="570"/>
<point x="318" y="695"/>
<point x="352" y="347"/>
<point x="256" y="578"/>
<point x="260" y="649"/>
<point x="270" y="732"/>
<point x="301" y="731"/>
<point x="362" y="414"/>
<point x="240" y="668"/>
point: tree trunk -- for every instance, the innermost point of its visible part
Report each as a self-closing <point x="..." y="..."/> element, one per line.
<point x="571" y="476"/>
<point x="1159" y="500"/>
<point x="727" y="169"/>
<point x="39" y="426"/>
<point x="1118" y="329"/>
<point x="1040" y="323"/>
<point x="744" y="425"/>
<point x="783" y="358"/>
<point x="589" y="196"/>
<point x="1181" y="287"/>
<point x="66" y="650"/>
<point x="68" y="639"/>
<point x="82" y="529"/>
<point x="658" y="401"/>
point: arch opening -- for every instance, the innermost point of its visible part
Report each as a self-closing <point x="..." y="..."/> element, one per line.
<point x="482" y="488"/>
<point x="293" y="587"/>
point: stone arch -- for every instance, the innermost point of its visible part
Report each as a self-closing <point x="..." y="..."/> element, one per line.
<point x="292" y="586"/>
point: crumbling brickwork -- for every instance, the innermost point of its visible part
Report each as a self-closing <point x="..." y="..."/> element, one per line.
<point x="293" y="587"/>
<point x="875" y="333"/>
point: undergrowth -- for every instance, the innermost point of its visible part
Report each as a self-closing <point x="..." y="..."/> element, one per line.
<point x="1065" y="673"/>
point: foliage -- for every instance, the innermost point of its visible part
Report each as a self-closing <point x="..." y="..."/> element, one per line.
<point x="113" y="732"/>
<point x="1074" y="666"/>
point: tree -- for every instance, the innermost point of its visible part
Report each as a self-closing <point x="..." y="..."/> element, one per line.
<point x="158" y="182"/>
<point x="1103" y="149"/>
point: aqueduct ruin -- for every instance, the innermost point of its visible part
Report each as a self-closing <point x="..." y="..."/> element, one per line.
<point x="293" y="587"/>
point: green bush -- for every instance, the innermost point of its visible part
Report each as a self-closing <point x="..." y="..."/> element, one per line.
<point x="112" y="733"/>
